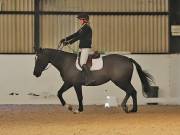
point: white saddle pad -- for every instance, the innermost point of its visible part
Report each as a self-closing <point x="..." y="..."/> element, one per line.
<point x="97" y="64"/>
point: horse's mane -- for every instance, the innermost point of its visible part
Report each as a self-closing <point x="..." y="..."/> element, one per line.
<point x="59" y="51"/>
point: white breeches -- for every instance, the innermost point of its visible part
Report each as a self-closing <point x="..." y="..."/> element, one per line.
<point x="84" y="55"/>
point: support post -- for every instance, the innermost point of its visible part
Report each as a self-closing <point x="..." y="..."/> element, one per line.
<point x="36" y="25"/>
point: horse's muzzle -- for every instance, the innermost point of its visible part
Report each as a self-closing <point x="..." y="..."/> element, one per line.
<point x="36" y="74"/>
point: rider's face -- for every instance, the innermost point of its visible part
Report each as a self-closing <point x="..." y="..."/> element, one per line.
<point x="81" y="21"/>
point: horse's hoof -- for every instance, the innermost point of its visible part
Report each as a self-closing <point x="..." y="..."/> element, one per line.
<point x="133" y="110"/>
<point x="125" y="108"/>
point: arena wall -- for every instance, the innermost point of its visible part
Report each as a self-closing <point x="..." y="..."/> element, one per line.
<point x="17" y="77"/>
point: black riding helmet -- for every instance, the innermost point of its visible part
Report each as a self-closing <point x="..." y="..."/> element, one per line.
<point x="84" y="16"/>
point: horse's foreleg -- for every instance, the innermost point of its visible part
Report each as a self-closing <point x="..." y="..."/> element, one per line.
<point x="65" y="87"/>
<point x="78" y="89"/>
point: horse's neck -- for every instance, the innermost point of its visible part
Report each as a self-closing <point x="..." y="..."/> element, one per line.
<point x="56" y="59"/>
<point x="60" y="59"/>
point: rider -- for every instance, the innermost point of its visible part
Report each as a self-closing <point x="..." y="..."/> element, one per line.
<point x="84" y="34"/>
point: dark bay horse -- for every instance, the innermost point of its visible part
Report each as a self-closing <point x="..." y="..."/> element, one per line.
<point x="117" y="68"/>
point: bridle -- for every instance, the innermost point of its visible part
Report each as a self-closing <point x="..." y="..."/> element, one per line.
<point x="43" y="69"/>
<point x="59" y="47"/>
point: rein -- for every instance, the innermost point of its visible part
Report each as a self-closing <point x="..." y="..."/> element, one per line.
<point x="59" y="47"/>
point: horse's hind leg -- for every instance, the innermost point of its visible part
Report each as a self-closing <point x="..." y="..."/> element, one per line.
<point x="130" y="91"/>
<point x="134" y="98"/>
<point x="123" y="104"/>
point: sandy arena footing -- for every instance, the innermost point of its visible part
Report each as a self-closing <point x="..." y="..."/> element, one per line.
<point x="95" y="120"/>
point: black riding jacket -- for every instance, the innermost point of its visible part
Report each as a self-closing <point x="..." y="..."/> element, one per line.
<point x="84" y="34"/>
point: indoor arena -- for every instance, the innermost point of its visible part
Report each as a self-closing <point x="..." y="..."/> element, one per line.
<point x="89" y="67"/>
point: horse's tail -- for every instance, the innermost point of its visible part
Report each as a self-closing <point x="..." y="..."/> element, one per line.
<point x="145" y="78"/>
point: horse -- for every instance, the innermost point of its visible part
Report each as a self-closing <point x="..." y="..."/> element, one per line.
<point x="117" y="68"/>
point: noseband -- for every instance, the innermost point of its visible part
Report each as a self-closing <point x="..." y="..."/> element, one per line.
<point x="43" y="69"/>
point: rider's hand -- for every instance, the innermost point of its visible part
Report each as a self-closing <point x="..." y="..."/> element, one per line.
<point x="65" y="43"/>
<point x="62" y="40"/>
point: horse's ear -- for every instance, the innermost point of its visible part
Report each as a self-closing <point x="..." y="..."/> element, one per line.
<point x="38" y="50"/>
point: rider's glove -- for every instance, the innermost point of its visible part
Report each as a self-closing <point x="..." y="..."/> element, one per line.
<point x="63" y="40"/>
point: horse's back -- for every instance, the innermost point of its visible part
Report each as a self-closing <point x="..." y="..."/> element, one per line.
<point x="118" y="66"/>
<point x="116" y="58"/>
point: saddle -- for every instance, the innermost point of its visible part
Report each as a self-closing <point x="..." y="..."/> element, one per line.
<point x="95" y="55"/>
<point x="94" y="62"/>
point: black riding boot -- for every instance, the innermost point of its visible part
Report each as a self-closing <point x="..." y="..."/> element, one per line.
<point x="86" y="74"/>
